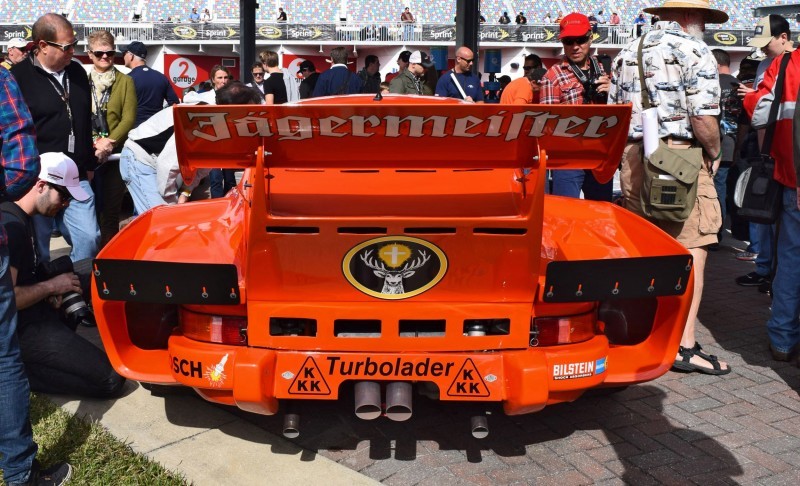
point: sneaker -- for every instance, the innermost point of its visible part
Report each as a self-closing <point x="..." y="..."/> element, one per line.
<point x="55" y="475"/>
<point x="765" y="288"/>
<point x="752" y="279"/>
<point x="746" y="256"/>
<point x="781" y="355"/>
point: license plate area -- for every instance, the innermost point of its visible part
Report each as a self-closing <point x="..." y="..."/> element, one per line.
<point x="319" y="376"/>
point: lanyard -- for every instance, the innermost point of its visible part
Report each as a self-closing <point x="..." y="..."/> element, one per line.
<point x="98" y="105"/>
<point x="63" y="93"/>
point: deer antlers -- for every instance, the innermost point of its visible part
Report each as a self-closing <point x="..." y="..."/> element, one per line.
<point x="371" y="263"/>
<point x="416" y="263"/>
<point x="409" y="266"/>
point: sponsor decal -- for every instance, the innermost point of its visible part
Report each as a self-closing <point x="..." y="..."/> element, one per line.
<point x="388" y="368"/>
<point x="270" y="32"/>
<point x="309" y="380"/>
<point x="538" y="36"/>
<point x="216" y="374"/>
<point x="183" y="72"/>
<point x="584" y="369"/>
<point x="494" y="35"/>
<point x="214" y="126"/>
<point x="303" y="33"/>
<point x="185" y="32"/>
<point x="186" y="367"/>
<point x="468" y="382"/>
<point x="448" y="33"/>
<point x="725" y="38"/>
<point x="394" y="267"/>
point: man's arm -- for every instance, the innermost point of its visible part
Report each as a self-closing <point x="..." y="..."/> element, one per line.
<point x="706" y="130"/>
<point x="28" y="295"/>
<point x="19" y="157"/>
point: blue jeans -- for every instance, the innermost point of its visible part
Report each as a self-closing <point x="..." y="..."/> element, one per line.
<point x="761" y="236"/>
<point x="78" y="225"/>
<point x="784" y="325"/>
<point x="141" y="181"/>
<point x="570" y="183"/>
<point x="721" y="184"/>
<point x="222" y="181"/>
<point x="17" y="448"/>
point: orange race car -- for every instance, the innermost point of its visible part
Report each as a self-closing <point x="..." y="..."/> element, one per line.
<point x="393" y="243"/>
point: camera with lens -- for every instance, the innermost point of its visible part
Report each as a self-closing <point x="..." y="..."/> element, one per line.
<point x="73" y="307"/>
<point x="591" y="95"/>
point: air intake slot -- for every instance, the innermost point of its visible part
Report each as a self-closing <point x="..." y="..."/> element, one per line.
<point x="293" y="230"/>
<point x="422" y="327"/>
<point x="292" y="326"/>
<point x="361" y="230"/>
<point x="487" y="327"/>
<point x="357" y="328"/>
<point x="430" y="231"/>
<point x="500" y="231"/>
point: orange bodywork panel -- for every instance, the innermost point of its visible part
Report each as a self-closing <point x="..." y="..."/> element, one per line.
<point x="407" y="239"/>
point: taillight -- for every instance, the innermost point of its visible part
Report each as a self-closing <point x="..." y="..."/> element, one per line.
<point x="214" y="329"/>
<point x="552" y="331"/>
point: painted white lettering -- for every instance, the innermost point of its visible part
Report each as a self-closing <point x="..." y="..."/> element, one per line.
<point x="595" y="122"/>
<point x="251" y="126"/>
<point x="564" y="125"/>
<point x="359" y="125"/>
<point x="216" y="121"/>
<point x="329" y="124"/>
<point x="294" y="128"/>
<point x="464" y="125"/>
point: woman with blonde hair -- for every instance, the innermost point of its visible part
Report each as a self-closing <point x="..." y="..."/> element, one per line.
<point x="113" y="100"/>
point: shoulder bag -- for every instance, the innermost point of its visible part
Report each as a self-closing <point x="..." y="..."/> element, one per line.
<point x="758" y="194"/>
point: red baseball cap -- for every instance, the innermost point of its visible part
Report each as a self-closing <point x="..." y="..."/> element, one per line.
<point x="574" y="25"/>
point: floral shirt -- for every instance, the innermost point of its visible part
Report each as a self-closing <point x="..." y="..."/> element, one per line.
<point x="680" y="74"/>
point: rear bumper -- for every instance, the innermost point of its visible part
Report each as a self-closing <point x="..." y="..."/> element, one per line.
<point x="254" y="379"/>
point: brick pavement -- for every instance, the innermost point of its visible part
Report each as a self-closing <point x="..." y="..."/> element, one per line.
<point x="740" y="428"/>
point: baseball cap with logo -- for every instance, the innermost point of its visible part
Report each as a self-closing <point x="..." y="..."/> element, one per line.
<point x="19" y="43"/>
<point x="58" y="168"/>
<point x="418" y="57"/>
<point x="768" y="27"/>
<point x="137" y="49"/>
<point x="574" y="25"/>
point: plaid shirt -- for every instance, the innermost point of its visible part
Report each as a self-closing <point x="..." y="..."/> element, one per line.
<point x="560" y="86"/>
<point x="19" y="156"/>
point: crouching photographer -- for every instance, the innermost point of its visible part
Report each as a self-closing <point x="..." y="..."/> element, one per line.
<point x="49" y="296"/>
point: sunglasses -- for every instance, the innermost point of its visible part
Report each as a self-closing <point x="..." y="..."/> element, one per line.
<point x="63" y="47"/>
<point x="62" y="191"/>
<point x="527" y="68"/>
<point x="570" y="41"/>
<point x="467" y="60"/>
<point x="258" y="74"/>
<point x="100" y="54"/>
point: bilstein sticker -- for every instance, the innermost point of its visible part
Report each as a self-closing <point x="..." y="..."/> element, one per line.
<point x="583" y="369"/>
<point x="394" y="267"/>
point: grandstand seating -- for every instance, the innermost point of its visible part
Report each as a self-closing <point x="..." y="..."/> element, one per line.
<point x="429" y="11"/>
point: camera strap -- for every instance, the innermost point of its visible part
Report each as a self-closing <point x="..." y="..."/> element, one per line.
<point x="583" y="78"/>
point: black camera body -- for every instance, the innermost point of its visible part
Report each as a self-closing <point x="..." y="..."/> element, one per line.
<point x="73" y="307"/>
<point x="100" y="123"/>
<point x="592" y="96"/>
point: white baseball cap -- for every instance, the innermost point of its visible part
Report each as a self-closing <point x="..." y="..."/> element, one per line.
<point x="19" y="43"/>
<point x="59" y="169"/>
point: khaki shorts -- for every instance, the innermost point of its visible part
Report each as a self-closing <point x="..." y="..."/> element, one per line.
<point x="705" y="220"/>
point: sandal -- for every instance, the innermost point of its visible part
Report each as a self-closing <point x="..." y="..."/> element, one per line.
<point x="685" y="364"/>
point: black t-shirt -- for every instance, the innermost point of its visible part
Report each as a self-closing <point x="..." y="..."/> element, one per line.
<point x="730" y="106"/>
<point x="22" y="256"/>
<point x="275" y="86"/>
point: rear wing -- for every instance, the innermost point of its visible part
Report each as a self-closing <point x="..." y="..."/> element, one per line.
<point x="405" y="136"/>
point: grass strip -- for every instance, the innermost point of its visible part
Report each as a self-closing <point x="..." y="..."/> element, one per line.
<point x="96" y="456"/>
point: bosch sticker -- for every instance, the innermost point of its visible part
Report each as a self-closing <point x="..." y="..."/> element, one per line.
<point x="583" y="369"/>
<point x="216" y="374"/>
<point x="394" y="267"/>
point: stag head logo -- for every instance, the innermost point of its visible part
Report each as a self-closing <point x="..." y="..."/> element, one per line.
<point x="394" y="267"/>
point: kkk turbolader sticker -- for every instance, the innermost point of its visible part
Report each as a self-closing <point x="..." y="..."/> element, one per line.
<point x="394" y="267"/>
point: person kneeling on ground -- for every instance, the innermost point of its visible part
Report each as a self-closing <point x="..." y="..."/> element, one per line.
<point x="56" y="359"/>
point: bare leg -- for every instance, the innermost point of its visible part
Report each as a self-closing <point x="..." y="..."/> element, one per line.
<point x="687" y="341"/>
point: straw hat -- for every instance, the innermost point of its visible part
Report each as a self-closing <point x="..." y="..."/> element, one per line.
<point x="711" y="15"/>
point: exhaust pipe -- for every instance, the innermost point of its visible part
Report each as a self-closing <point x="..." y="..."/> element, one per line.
<point x="398" y="401"/>
<point x="368" y="400"/>
<point x="479" y="426"/>
<point x="291" y="425"/>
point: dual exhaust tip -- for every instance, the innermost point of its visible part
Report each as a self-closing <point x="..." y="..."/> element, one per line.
<point x="398" y="407"/>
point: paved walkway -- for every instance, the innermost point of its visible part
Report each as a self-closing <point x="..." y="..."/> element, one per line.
<point x="680" y="429"/>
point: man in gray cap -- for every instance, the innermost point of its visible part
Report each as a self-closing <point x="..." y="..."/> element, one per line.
<point x="152" y="87"/>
